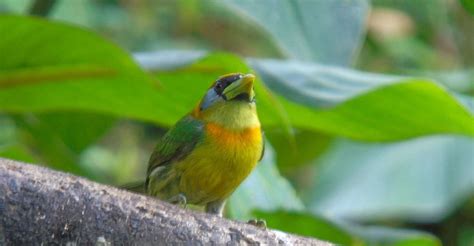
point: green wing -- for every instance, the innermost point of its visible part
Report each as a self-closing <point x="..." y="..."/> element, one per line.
<point x="176" y="144"/>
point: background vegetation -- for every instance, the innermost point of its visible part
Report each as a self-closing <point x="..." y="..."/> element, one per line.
<point x="367" y="106"/>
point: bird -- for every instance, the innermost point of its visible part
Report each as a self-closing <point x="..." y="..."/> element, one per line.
<point x="209" y="152"/>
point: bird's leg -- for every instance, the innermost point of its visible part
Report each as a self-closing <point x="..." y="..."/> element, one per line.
<point x="258" y="223"/>
<point x="179" y="199"/>
<point x="215" y="207"/>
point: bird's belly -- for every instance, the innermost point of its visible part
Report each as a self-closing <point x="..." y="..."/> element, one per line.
<point x="215" y="169"/>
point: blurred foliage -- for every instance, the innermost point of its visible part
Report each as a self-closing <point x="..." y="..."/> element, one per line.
<point x="264" y="181"/>
<point x="335" y="80"/>
<point x="469" y="5"/>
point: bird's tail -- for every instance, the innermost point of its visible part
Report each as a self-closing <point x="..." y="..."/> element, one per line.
<point x="137" y="187"/>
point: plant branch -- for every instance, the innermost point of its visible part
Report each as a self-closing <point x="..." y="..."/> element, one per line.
<point x="41" y="206"/>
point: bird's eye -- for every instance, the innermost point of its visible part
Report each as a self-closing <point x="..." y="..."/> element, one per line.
<point x="223" y="82"/>
<point x="219" y="88"/>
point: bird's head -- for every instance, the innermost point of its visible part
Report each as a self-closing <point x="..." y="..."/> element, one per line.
<point x="230" y="101"/>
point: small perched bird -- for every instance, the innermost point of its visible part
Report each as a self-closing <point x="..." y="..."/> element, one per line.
<point x="204" y="157"/>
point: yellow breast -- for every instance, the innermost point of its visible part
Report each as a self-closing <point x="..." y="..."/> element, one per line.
<point x="220" y="163"/>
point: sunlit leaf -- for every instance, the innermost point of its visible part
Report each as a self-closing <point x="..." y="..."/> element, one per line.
<point x="63" y="67"/>
<point x="77" y="70"/>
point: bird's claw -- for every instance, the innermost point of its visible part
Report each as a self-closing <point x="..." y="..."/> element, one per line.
<point x="179" y="199"/>
<point x="258" y="223"/>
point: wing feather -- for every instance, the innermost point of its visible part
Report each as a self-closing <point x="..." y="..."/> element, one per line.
<point x="176" y="144"/>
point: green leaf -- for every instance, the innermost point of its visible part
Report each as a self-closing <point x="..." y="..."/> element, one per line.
<point x="379" y="235"/>
<point x="300" y="150"/>
<point x="264" y="189"/>
<point x="355" y="97"/>
<point x="10" y="147"/>
<point x="466" y="236"/>
<point x="18" y="152"/>
<point x="59" y="138"/>
<point x="316" y="85"/>
<point x="78" y="70"/>
<point x="422" y="180"/>
<point x="51" y="149"/>
<point x="392" y="112"/>
<point x="77" y="130"/>
<point x="306" y="30"/>
<point x="7" y="131"/>
<point x="468" y="5"/>
<point x="346" y="102"/>
<point x="306" y="225"/>
<point x="341" y="232"/>
<point x="63" y="67"/>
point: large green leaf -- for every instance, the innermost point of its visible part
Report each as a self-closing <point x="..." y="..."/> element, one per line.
<point x="315" y="85"/>
<point x="58" y="139"/>
<point x="421" y="180"/>
<point x="325" y="31"/>
<point x="77" y="70"/>
<point x="77" y="130"/>
<point x="350" y="103"/>
<point x="468" y="5"/>
<point x="37" y="135"/>
<point x="10" y="146"/>
<point x="300" y="150"/>
<point x="396" y="111"/>
<point x="62" y="67"/>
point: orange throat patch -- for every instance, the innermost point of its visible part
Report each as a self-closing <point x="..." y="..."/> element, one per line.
<point x="234" y="137"/>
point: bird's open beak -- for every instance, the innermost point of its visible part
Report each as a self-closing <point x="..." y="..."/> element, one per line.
<point x="241" y="89"/>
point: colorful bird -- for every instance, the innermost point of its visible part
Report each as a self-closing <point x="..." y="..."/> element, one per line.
<point x="204" y="157"/>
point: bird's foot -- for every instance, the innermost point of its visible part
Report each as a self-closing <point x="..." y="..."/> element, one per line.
<point x="179" y="199"/>
<point x="258" y="223"/>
